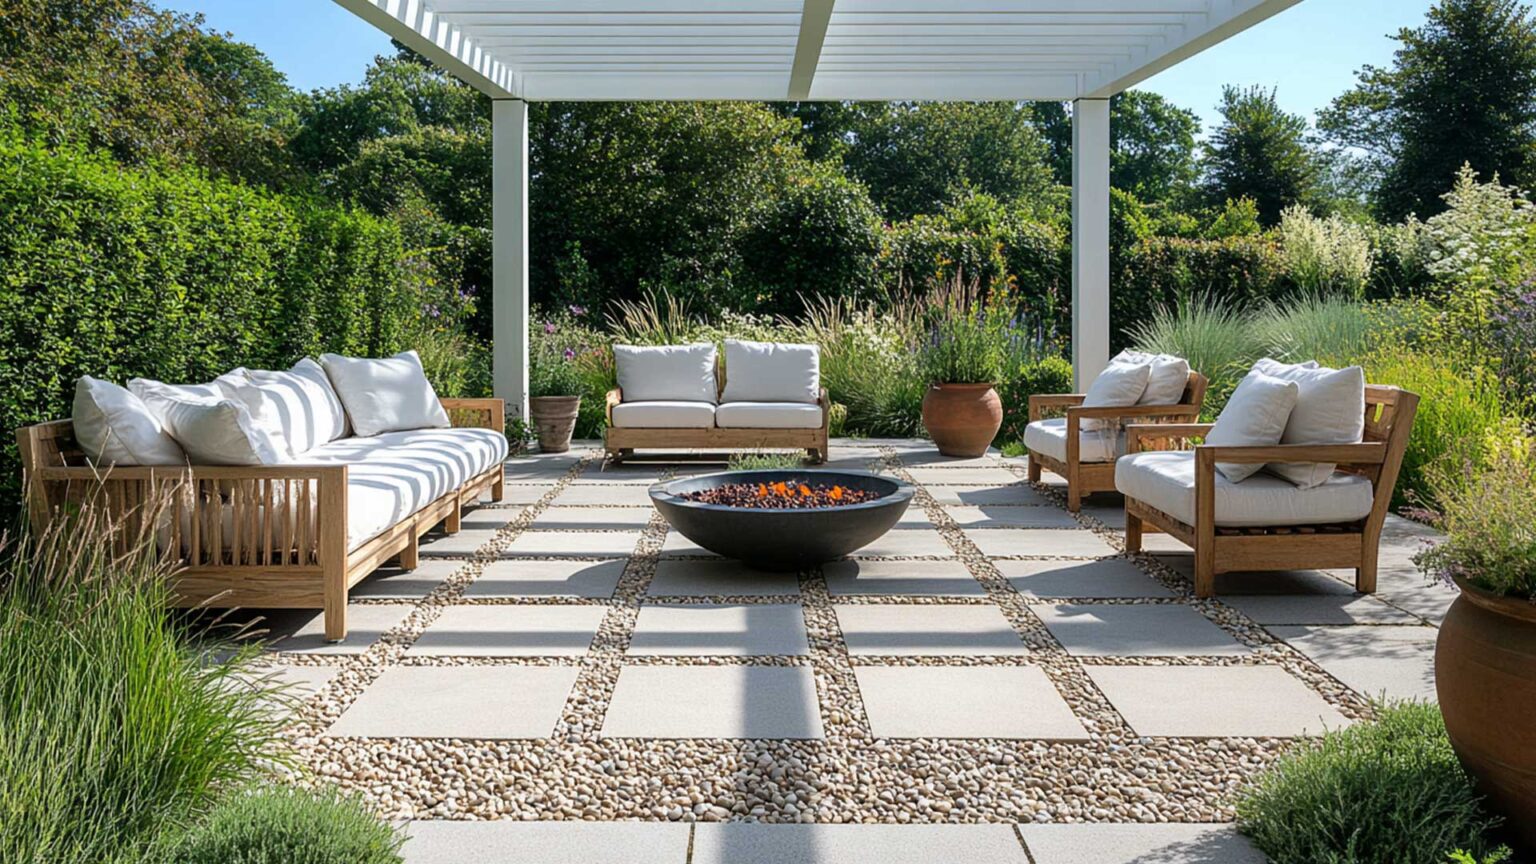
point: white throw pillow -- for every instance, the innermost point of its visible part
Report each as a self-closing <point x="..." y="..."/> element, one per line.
<point x="771" y="372"/>
<point x="157" y="394"/>
<point x="389" y="394"/>
<point x="1120" y="384"/>
<point x="1254" y="416"/>
<point x="1167" y="380"/>
<point x="115" y="427"/>
<point x="667" y="373"/>
<point x="1330" y="409"/>
<point x="307" y="408"/>
<point x="223" y="432"/>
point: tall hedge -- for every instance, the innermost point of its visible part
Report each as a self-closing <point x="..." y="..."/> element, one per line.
<point x="1162" y="270"/>
<point x="166" y="273"/>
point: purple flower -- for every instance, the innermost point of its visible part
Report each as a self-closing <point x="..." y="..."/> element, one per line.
<point x="576" y="311"/>
<point x="570" y="354"/>
<point x="549" y="327"/>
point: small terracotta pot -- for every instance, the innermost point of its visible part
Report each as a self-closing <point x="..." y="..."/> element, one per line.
<point x="1485" y="677"/>
<point x="962" y="418"/>
<point x="554" y="418"/>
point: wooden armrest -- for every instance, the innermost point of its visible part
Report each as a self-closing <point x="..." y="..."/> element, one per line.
<point x="1135" y="433"/>
<point x="1340" y="454"/>
<point x="486" y="413"/>
<point x="1040" y="401"/>
<point x="1115" y="412"/>
<point x="615" y="397"/>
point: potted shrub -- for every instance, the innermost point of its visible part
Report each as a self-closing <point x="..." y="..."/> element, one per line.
<point x="1485" y="658"/>
<point x="962" y="362"/>
<point x="554" y="390"/>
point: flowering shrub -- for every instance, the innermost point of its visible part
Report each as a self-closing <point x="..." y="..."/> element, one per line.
<point x="1489" y="519"/>
<point x="553" y="352"/>
<point x="1324" y="256"/>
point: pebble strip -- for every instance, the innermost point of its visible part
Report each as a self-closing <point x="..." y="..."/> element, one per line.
<point x="849" y="775"/>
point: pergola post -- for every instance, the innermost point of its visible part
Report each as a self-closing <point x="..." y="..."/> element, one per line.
<point x="509" y="253"/>
<point x="1090" y="240"/>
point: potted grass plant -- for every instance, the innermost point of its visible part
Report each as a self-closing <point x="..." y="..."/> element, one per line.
<point x="962" y="361"/>
<point x="554" y="388"/>
<point x="1485" y="657"/>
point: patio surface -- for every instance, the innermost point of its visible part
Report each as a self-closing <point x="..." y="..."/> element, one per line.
<point x="584" y="686"/>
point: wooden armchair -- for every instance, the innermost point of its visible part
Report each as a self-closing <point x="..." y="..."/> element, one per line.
<point x="1085" y="477"/>
<point x="1354" y="544"/>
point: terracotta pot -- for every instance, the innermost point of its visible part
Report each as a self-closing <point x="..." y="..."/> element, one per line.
<point x="1485" y="677"/>
<point x="962" y="418"/>
<point x="554" y="418"/>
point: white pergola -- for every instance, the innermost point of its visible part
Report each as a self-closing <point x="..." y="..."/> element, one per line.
<point x="1082" y="51"/>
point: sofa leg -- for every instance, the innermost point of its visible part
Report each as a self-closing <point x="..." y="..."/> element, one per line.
<point x="1365" y="574"/>
<point x="499" y="486"/>
<point x="1132" y="532"/>
<point x="410" y="556"/>
<point x="1205" y="569"/>
<point x="453" y="521"/>
<point x="1074" y="498"/>
<point x="1034" y="469"/>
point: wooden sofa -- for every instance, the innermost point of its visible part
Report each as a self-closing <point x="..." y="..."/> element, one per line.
<point x="1085" y="477"/>
<point x="259" y="536"/>
<point x="1353" y="544"/>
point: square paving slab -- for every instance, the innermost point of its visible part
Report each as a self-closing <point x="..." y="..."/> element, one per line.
<point x="1330" y="609"/>
<point x="908" y="543"/>
<point x="510" y="631"/>
<point x="945" y="578"/>
<point x="1010" y="516"/>
<point x="964" y="702"/>
<point x="1139" y="844"/>
<point x="594" y="579"/>
<point x="592" y="495"/>
<point x="1396" y="662"/>
<point x="962" y="476"/>
<point x="749" y="843"/>
<point x="678" y="546"/>
<point x="1140" y="630"/>
<point x="978" y="496"/>
<point x="519" y="495"/>
<point x="592" y="519"/>
<point x="461" y="545"/>
<point x="1039" y="542"/>
<point x="459" y="702"/>
<point x="393" y="583"/>
<point x="757" y="629"/>
<point x="572" y="544"/>
<point x="508" y="842"/>
<point x="927" y="629"/>
<point x="717" y="578"/>
<point x="1215" y="701"/>
<point x="543" y="469"/>
<point x="302" y="631"/>
<point x="1108" y="578"/>
<point x="714" y="702"/>
<point x="930" y="457"/>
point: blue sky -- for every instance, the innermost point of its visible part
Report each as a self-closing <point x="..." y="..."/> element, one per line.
<point x="1310" y="52"/>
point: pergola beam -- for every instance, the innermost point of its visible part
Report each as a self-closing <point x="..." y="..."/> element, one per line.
<point x="1224" y="19"/>
<point x="814" y="18"/>
<point x="428" y="34"/>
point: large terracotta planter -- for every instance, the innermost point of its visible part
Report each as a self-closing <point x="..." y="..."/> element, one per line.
<point x="554" y="418"/>
<point x="962" y="418"/>
<point x="1485" y="677"/>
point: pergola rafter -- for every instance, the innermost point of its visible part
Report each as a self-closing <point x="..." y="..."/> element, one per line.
<point x="1083" y="51"/>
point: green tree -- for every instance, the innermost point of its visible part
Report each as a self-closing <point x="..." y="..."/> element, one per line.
<point x="1152" y="145"/>
<point x="1461" y="90"/>
<point x="1259" y="152"/>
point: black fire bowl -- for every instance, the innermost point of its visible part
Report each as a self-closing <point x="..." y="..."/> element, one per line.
<point x="786" y="539"/>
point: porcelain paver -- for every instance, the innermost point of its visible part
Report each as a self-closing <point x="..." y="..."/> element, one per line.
<point x="962" y="476"/>
<point x="997" y="516"/>
<point x="1396" y="662"/>
<point x="603" y="496"/>
<point x="717" y="578"/>
<point x="591" y="579"/>
<point x="396" y="584"/>
<point x="927" y="630"/>
<point x="1330" y="609"/>
<point x="1139" y="630"/>
<point x="759" y="629"/>
<point x="909" y="543"/>
<point x="592" y="519"/>
<point x="964" y="702"/>
<point x="510" y="631"/>
<point x="1109" y="578"/>
<point x="714" y="702"/>
<point x="460" y="702"/>
<point x="1215" y="701"/>
<point x="979" y="496"/>
<point x="944" y="578"/>
<point x="748" y="843"/>
<point x="572" y="544"/>
<point x="1063" y="543"/>
<point x="303" y="631"/>
<point x="508" y="842"/>
<point x="1139" y="844"/>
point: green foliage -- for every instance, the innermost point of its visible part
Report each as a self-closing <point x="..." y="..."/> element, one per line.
<point x="1497" y="856"/>
<point x="969" y="335"/>
<point x="820" y="237"/>
<point x="1324" y="256"/>
<point x="111" y="729"/>
<point x="1238" y="218"/>
<point x="764" y="461"/>
<point x="1259" y="152"/>
<point x="1385" y="792"/>
<point x="285" y="825"/>
<point x="1152" y="147"/>
<point x="1488" y="515"/>
<point x="1328" y="328"/>
<point x="170" y="274"/>
<point x="869" y="365"/>
<point x="1461" y="90"/>
<point x="1031" y="377"/>
<point x="1164" y="272"/>
<point x="1214" y="336"/>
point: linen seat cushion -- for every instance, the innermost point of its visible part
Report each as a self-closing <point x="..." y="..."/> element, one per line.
<point x="1166" y="482"/>
<point x="771" y="372"/>
<point x="667" y="373"/>
<point x="1330" y="409"/>
<point x="1120" y="385"/>
<point x="393" y="475"/>
<point x="1049" y="438"/>
<point x="767" y="415"/>
<point x="385" y="394"/>
<point x="115" y="427"/>
<point x="664" y="414"/>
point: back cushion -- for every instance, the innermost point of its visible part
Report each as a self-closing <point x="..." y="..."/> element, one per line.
<point x="115" y="427"/>
<point x="1120" y="384"/>
<point x="307" y="407"/>
<point x="771" y="372"/>
<point x="1167" y="380"/>
<point x="1330" y="409"/>
<point x="668" y="373"/>
<point x="388" y="394"/>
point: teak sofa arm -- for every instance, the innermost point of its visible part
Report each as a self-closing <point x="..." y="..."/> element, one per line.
<point x="614" y="399"/>
<point x="477" y="413"/>
<point x="1040" y="401"/>
<point x="1136" y="433"/>
<point x="1339" y="454"/>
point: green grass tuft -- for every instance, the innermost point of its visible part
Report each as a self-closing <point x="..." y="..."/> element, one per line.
<point x="284" y="825"/>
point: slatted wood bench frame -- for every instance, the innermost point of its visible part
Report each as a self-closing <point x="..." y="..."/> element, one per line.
<point x="1086" y="478"/>
<point x="1389" y="413"/>
<point x="620" y="442"/>
<point x="287" y="541"/>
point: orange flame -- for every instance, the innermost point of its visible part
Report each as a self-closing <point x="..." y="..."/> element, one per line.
<point x="805" y="491"/>
<point x="836" y="494"/>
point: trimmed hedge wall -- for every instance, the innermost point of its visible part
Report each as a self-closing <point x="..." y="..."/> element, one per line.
<point x="170" y="274"/>
<point x="1162" y="270"/>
